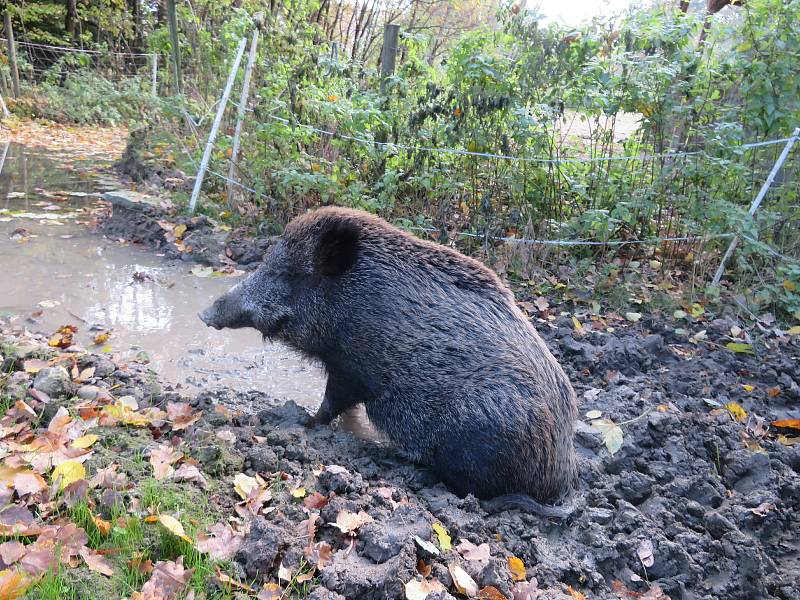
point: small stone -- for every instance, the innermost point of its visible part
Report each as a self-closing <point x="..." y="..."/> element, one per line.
<point x="53" y="381"/>
<point x="718" y="525"/>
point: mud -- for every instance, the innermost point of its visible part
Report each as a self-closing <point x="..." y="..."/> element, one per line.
<point x="713" y="500"/>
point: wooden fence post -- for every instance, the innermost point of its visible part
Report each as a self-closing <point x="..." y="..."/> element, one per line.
<point x="12" y="52"/>
<point x="388" y="53"/>
<point x="223" y="102"/>
<point x="233" y="171"/>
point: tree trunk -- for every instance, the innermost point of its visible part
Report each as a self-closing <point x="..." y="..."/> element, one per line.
<point x="71" y="20"/>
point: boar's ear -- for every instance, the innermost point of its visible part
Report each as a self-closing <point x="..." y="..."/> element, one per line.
<point x="337" y="248"/>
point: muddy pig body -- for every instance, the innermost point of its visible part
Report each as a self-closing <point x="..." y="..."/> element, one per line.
<point x="430" y="341"/>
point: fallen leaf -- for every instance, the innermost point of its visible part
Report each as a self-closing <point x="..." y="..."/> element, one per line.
<point x="490" y="593"/>
<point x="445" y="541"/>
<point x="11" y="552"/>
<point x="85" y="441"/>
<point x="315" y="501"/>
<point x="221" y="542"/>
<point x="348" y="522"/>
<point x="181" y="415"/>
<point x="633" y="317"/>
<point x="737" y="412"/>
<point x="773" y="392"/>
<point x="462" y="581"/>
<point x="270" y="591"/>
<point x="190" y="473"/>
<point x="174" y="527"/>
<point x="787" y="423"/>
<point x="526" y="590"/>
<point x="577" y="324"/>
<point x="594" y="414"/>
<point x="299" y="492"/>
<point x="69" y="471"/>
<point x="794" y="330"/>
<point x="101" y="338"/>
<point x="244" y="485"/>
<point x="645" y="553"/>
<point x="13" y="584"/>
<point x="320" y="554"/>
<point x="740" y="348"/>
<point x="470" y="551"/>
<point x="576" y="595"/>
<point x="284" y="573"/>
<point x="517" y="568"/>
<point x="96" y="562"/>
<point x="748" y="388"/>
<point x="162" y="457"/>
<point x="28" y="482"/>
<point x="763" y="509"/>
<point x="611" y="432"/>
<point x="419" y="590"/>
<point x="167" y="580"/>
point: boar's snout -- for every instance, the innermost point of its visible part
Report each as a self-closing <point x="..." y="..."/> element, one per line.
<point x="208" y="316"/>
<point x="228" y="311"/>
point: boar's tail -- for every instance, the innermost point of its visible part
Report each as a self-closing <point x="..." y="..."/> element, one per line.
<point x="525" y="503"/>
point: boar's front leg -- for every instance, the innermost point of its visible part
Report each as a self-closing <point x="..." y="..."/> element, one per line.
<point x="339" y="397"/>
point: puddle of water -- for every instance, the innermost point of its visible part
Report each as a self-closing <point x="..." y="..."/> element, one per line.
<point x="57" y="266"/>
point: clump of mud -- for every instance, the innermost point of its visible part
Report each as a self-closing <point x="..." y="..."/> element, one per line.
<point x="700" y="501"/>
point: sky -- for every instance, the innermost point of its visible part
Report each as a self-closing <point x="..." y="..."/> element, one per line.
<point x="573" y="12"/>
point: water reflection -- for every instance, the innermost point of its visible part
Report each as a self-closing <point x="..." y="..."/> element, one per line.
<point x="83" y="279"/>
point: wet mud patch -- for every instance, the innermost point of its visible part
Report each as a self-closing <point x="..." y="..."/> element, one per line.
<point x="700" y="500"/>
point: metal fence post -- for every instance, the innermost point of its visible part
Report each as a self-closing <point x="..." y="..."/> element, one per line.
<point x="756" y="203"/>
<point x="233" y="172"/>
<point x="223" y="102"/>
<point x="154" y="75"/>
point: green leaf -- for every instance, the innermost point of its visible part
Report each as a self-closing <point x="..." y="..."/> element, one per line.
<point x="740" y="348"/>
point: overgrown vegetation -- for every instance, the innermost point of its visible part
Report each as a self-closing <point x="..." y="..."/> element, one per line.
<point x="633" y="87"/>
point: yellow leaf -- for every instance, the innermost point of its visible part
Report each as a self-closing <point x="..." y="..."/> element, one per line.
<point x="299" y="492"/>
<point x="13" y="584"/>
<point x="174" y="527"/>
<point x="740" y="348"/>
<point x="576" y="323"/>
<point x="179" y="230"/>
<point x="244" y="485"/>
<point x="794" y="330"/>
<point x="789" y="286"/>
<point x="576" y="595"/>
<point x="747" y="387"/>
<point x="737" y="412"/>
<point x="84" y="441"/>
<point x="333" y="98"/>
<point x="69" y="471"/>
<point x="445" y="542"/>
<point x="697" y="310"/>
<point x="517" y="568"/>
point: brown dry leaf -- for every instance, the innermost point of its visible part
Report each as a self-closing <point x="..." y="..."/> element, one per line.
<point x="787" y="423"/>
<point x="139" y="564"/>
<point x="575" y="593"/>
<point x="284" y="573"/>
<point x="103" y="526"/>
<point x="763" y="509"/>
<point x="526" y="590"/>
<point x="17" y="520"/>
<point x="422" y="568"/>
<point x="773" y="392"/>
<point x="490" y="593"/>
<point x="180" y="413"/>
<point x="419" y="590"/>
<point x="174" y="527"/>
<point x="270" y="591"/>
<point x="35" y="365"/>
<point x="96" y="562"/>
<point x="162" y="457"/>
<point x="40" y="560"/>
<point x="191" y="473"/>
<point x="28" y="482"/>
<point x="11" y="552"/>
<point x="470" y="551"/>
<point x="13" y="584"/>
<point x="348" y="522"/>
<point x="168" y="579"/>
<point x="463" y="582"/>
<point x="315" y="501"/>
<point x="220" y="543"/>
<point x="517" y="568"/>
<point x="320" y="554"/>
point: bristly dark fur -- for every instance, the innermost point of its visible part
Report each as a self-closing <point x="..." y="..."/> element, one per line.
<point x="432" y="343"/>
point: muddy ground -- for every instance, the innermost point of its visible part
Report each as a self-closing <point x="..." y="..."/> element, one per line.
<point x="700" y="501"/>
